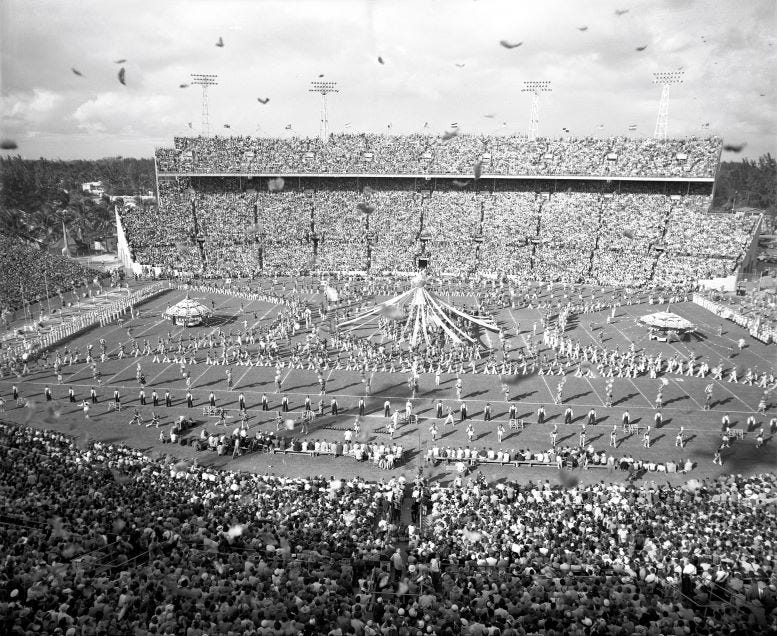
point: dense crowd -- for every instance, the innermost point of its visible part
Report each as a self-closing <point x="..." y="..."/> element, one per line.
<point x="101" y="540"/>
<point x="23" y="267"/>
<point x="627" y="238"/>
<point x="424" y="154"/>
<point x="712" y="540"/>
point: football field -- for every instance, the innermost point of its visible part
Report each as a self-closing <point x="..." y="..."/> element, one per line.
<point x="683" y="396"/>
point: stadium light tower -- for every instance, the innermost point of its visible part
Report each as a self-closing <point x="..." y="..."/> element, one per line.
<point x="204" y="80"/>
<point x="665" y="80"/>
<point x="535" y="88"/>
<point x="323" y="88"/>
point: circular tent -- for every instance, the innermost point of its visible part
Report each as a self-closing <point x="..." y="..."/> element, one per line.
<point x="422" y="313"/>
<point x="187" y="313"/>
<point x="665" y="325"/>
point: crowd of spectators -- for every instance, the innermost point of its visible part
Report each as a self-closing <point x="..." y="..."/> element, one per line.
<point x="691" y="230"/>
<point x="99" y="539"/>
<point x="221" y="227"/>
<point x="632" y="545"/>
<point x="425" y="154"/>
<point x="23" y="266"/>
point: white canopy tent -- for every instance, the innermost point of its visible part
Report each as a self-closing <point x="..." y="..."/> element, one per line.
<point x="667" y="323"/>
<point x="188" y="313"/>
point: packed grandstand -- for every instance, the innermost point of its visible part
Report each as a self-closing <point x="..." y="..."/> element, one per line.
<point x="605" y="211"/>
<point x="139" y="546"/>
<point x="199" y="513"/>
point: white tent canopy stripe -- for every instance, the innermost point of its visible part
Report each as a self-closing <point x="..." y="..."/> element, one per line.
<point x="187" y="310"/>
<point x="422" y="313"/>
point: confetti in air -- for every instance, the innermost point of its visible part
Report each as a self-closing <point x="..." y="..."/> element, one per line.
<point x="392" y="312"/>
<point x="275" y="185"/>
<point x="567" y="479"/>
<point x="331" y="294"/>
<point x="235" y="531"/>
<point x="56" y="528"/>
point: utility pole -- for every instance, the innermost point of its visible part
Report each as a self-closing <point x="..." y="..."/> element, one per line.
<point x="665" y="80"/>
<point x="323" y="89"/>
<point x="204" y="80"/>
<point x="535" y="88"/>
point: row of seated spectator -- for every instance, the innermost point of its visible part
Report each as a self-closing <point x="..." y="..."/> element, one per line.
<point x="562" y="457"/>
<point x="99" y="539"/>
<point x="425" y="154"/>
<point x="375" y="452"/>
<point x="591" y="236"/>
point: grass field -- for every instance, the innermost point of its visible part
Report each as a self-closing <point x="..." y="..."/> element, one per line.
<point x="683" y="397"/>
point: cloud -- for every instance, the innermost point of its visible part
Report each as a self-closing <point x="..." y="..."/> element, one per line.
<point x="36" y="106"/>
<point x="275" y="48"/>
<point x="126" y="114"/>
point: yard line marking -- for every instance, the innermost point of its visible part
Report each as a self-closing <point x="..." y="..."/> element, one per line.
<point x="634" y="384"/>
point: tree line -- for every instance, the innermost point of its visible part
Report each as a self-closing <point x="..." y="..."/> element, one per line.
<point x="36" y="196"/>
<point x="747" y="183"/>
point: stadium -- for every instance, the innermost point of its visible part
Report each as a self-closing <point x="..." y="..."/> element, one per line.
<point x="393" y="384"/>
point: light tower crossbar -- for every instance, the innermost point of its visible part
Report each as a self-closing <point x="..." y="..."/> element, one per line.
<point x="665" y="80"/>
<point x="204" y="80"/>
<point x="323" y="89"/>
<point x="535" y="88"/>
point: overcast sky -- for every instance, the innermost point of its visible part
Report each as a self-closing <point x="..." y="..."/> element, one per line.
<point x="442" y="64"/>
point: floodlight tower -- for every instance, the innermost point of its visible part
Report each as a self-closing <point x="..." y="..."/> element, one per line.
<point x="204" y="80"/>
<point x="666" y="80"/>
<point x="535" y="88"/>
<point x="323" y="88"/>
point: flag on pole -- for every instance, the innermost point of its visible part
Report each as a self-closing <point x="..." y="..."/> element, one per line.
<point x="65" y="241"/>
